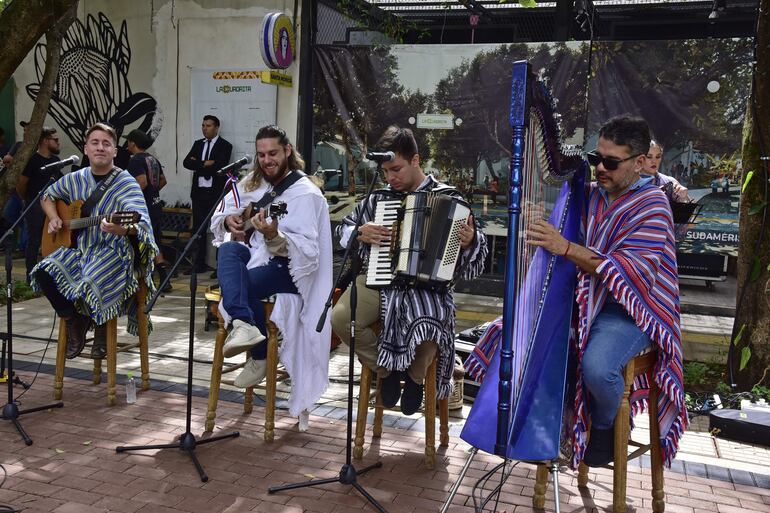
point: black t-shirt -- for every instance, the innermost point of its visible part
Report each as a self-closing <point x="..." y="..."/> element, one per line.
<point x="145" y="164"/>
<point x="38" y="179"/>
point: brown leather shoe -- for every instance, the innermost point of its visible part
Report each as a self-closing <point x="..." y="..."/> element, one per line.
<point x="77" y="327"/>
<point x="99" y="347"/>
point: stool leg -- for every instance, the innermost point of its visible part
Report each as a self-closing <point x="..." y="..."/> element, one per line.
<point x="112" y="359"/>
<point x="620" y="464"/>
<point x="363" y="410"/>
<point x="216" y="376"/>
<point x="582" y="475"/>
<point x="272" y="370"/>
<point x="97" y="372"/>
<point x="430" y="417"/>
<point x="378" y="409"/>
<point x="144" y="348"/>
<point x="443" y="413"/>
<point x="541" y="485"/>
<point x="248" y="400"/>
<point x="61" y="353"/>
<point x="656" y="458"/>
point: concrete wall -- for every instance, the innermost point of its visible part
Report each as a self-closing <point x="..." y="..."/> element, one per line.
<point x="167" y="39"/>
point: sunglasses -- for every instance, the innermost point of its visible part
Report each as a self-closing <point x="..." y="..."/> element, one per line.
<point x="609" y="163"/>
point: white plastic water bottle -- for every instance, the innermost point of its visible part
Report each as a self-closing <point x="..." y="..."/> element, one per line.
<point x="304" y="420"/>
<point x="130" y="389"/>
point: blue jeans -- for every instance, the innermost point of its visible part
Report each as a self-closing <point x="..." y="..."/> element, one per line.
<point x="613" y="341"/>
<point x="244" y="289"/>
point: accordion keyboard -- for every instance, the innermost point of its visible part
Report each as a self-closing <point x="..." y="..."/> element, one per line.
<point x="380" y="272"/>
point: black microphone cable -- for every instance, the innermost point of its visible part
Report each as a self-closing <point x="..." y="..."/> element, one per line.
<point x="3" y="507"/>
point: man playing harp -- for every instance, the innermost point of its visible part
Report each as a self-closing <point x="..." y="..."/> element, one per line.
<point x="627" y="294"/>
<point x="416" y="322"/>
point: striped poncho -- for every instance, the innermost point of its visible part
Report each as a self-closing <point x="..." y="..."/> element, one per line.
<point x="634" y="237"/>
<point x="410" y="315"/>
<point x="98" y="275"/>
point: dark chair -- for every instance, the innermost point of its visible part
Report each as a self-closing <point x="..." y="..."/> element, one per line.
<point x="176" y="230"/>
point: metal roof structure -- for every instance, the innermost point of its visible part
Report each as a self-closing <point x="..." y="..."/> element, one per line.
<point x="452" y="21"/>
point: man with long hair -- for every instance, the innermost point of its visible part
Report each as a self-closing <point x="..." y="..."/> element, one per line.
<point x="417" y="323"/>
<point x="291" y="257"/>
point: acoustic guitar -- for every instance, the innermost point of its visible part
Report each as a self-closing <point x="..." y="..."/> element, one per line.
<point x="72" y="222"/>
<point x="275" y="210"/>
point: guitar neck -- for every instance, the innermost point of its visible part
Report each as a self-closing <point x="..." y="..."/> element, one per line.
<point x="85" y="222"/>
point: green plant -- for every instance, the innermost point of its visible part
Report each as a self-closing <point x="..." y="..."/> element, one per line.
<point x="723" y="389"/>
<point x="761" y="392"/>
<point x="695" y="373"/>
<point x="21" y="292"/>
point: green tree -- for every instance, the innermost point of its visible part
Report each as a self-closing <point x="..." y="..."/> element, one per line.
<point x="357" y="96"/>
<point x="58" y="24"/>
<point x="751" y="330"/>
<point x="22" y="23"/>
<point x="665" y="83"/>
<point x="478" y="92"/>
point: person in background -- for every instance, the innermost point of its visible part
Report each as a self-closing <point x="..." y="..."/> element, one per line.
<point x="670" y="185"/>
<point x="31" y="181"/>
<point x="206" y="157"/>
<point x="149" y="173"/>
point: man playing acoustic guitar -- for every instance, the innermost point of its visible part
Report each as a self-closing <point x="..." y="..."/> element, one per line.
<point x="94" y="280"/>
<point x="291" y="257"/>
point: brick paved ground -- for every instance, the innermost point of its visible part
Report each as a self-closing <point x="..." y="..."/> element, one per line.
<point x="73" y="467"/>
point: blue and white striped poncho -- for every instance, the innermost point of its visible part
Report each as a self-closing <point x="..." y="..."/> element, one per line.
<point x="98" y="275"/>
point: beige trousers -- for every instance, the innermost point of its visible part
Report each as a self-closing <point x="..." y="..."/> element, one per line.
<point x="367" y="314"/>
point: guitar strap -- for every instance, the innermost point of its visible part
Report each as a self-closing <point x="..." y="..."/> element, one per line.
<point x="270" y="196"/>
<point x="98" y="194"/>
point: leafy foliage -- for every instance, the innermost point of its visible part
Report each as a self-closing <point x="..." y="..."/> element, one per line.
<point x="472" y="92"/>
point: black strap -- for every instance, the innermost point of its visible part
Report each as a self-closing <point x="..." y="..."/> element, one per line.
<point x="279" y="189"/>
<point x="98" y="194"/>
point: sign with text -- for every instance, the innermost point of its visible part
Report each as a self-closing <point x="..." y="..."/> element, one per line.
<point x="435" y="121"/>
<point x="238" y="98"/>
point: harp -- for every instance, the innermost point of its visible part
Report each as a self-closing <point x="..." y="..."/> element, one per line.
<point x="518" y="410"/>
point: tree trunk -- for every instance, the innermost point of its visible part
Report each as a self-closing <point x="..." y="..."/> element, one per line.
<point x="351" y="163"/>
<point x="21" y="25"/>
<point x="753" y="304"/>
<point x="53" y="40"/>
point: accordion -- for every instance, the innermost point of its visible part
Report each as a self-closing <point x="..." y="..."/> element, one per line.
<point x="425" y="241"/>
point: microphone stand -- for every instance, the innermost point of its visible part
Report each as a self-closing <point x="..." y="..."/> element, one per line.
<point x="187" y="441"/>
<point x="348" y="474"/>
<point x="11" y="409"/>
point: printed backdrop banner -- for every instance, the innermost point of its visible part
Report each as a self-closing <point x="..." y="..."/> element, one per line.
<point x="693" y="93"/>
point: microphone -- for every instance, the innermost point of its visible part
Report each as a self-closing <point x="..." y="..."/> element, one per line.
<point x="381" y="156"/>
<point x="74" y="159"/>
<point x="235" y="165"/>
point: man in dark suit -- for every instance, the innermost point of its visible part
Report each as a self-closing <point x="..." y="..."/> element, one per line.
<point x="206" y="157"/>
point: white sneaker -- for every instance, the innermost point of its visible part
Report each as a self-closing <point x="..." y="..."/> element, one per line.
<point x="252" y="374"/>
<point x="242" y="337"/>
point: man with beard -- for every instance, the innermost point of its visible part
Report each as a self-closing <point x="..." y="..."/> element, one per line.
<point x="31" y="182"/>
<point x="417" y="323"/>
<point x="291" y="257"/>
<point x="206" y="157"/>
<point x="627" y="294"/>
<point x="96" y="280"/>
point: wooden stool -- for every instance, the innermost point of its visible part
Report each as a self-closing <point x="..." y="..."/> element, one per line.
<point x="272" y="375"/>
<point x="113" y="348"/>
<point x="642" y="363"/>
<point x="430" y="415"/>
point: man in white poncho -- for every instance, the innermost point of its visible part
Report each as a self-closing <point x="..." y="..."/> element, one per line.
<point x="291" y="257"/>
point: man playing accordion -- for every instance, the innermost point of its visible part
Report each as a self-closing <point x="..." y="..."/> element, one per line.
<point x="417" y="323"/>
